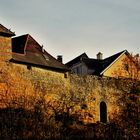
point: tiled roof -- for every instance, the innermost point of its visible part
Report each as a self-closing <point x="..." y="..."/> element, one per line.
<point x="5" y="32"/>
<point x="76" y="60"/>
<point x="95" y="64"/>
<point x="26" y="50"/>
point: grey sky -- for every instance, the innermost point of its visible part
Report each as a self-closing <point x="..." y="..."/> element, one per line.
<point x="71" y="27"/>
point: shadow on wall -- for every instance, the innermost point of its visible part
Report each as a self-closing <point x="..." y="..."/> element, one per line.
<point x="20" y="123"/>
<point x="24" y="124"/>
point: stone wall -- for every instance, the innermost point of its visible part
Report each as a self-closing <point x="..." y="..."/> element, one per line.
<point x="20" y="80"/>
<point x="5" y="48"/>
<point x="21" y="87"/>
<point x="96" y="90"/>
<point x="51" y="91"/>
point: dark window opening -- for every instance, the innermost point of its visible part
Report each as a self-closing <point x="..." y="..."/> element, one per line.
<point x="29" y="67"/>
<point x="18" y="45"/>
<point x="65" y="75"/>
<point x="103" y="112"/>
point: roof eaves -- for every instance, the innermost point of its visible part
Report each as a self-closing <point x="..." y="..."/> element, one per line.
<point x="40" y="66"/>
<point x="76" y="58"/>
<point x="6" y="31"/>
<point x="125" y="51"/>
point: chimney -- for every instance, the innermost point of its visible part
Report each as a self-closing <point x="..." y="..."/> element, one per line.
<point x="99" y="56"/>
<point x="60" y="58"/>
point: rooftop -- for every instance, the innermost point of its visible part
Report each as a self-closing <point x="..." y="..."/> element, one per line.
<point x="28" y="51"/>
<point x="6" y="32"/>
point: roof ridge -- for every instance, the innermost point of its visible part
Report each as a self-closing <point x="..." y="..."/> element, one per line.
<point x="54" y="58"/>
<point x="35" y="55"/>
<point x="115" y="59"/>
<point x="76" y="58"/>
<point x="116" y="54"/>
<point x="81" y="55"/>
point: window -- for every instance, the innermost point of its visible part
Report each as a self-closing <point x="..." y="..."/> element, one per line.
<point x="79" y="70"/>
<point x="46" y="57"/>
<point x="65" y="75"/>
<point x="29" y="67"/>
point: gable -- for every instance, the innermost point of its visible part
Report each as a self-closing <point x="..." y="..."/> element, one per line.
<point x="119" y="67"/>
<point x="76" y="60"/>
<point x="27" y="50"/>
<point x="80" y="68"/>
<point x="18" y="44"/>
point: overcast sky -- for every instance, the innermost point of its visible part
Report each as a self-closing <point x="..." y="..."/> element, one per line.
<point x="71" y="27"/>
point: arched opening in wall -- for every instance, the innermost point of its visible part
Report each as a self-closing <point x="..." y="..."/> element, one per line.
<point x="103" y="112"/>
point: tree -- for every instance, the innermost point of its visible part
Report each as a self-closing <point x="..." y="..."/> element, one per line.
<point x="129" y="68"/>
<point x="129" y="101"/>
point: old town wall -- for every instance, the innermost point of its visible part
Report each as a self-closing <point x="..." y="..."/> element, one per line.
<point x="20" y="86"/>
<point x="28" y="87"/>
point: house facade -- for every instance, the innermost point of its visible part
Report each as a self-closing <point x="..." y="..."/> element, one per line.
<point x="117" y="66"/>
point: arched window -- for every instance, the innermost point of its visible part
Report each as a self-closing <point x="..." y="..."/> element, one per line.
<point x="103" y="112"/>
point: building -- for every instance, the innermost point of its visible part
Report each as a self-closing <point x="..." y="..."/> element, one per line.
<point x="27" y="72"/>
<point x="113" y="66"/>
<point x="27" y="51"/>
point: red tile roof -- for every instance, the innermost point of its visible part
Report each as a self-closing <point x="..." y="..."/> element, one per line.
<point x="26" y="50"/>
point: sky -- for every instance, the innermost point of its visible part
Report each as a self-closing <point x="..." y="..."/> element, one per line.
<point x="72" y="27"/>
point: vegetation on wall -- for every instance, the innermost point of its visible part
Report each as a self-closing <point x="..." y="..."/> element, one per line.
<point x="40" y="104"/>
<point x="129" y="116"/>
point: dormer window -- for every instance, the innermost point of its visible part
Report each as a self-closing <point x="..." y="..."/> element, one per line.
<point x="42" y="48"/>
<point x="46" y="57"/>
